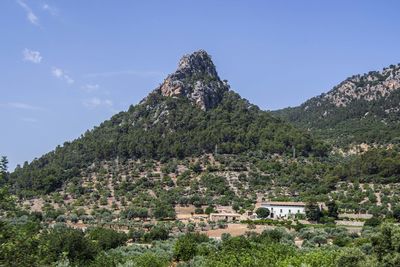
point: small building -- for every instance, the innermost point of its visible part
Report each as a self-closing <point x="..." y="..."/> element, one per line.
<point x="284" y="210"/>
<point x="228" y="217"/>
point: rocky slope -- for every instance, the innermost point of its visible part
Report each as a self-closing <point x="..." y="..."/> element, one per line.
<point x="368" y="87"/>
<point x="196" y="79"/>
<point x="361" y="109"/>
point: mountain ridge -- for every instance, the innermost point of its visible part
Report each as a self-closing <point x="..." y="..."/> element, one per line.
<point x="362" y="108"/>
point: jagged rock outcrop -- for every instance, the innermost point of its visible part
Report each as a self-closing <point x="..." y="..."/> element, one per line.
<point x="197" y="79"/>
<point x="368" y="87"/>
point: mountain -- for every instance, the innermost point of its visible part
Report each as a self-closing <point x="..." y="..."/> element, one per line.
<point x="197" y="80"/>
<point x="193" y="112"/>
<point x="361" y="109"/>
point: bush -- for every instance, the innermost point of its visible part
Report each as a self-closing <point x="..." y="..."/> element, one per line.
<point x="262" y="213"/>
<point x="164" y="211"/>
<point x="313" y="212"/>
<point x="61" y="218"/>
<point x="74" y="218"/>
<point x="187" y="245"/>
<point x="136" y="234"/>
<point x="158" y="232"/>
<point x="199" y="211"/>
<point x="373" y="222"/>
<point x="209" y="210"/>
<point x="61" y="241"/>
<point x="106" y="239"/>
<point x="351" y="257"/>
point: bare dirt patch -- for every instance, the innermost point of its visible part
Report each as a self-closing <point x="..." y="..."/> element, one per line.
<point x="235" y="230"/>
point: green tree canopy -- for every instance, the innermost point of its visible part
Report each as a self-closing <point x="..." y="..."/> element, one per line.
<point x="263" y="212"/>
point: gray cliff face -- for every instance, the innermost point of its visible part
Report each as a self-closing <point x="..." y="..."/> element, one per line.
<point x="196" y="79"/>
<point x="369" y="87"/>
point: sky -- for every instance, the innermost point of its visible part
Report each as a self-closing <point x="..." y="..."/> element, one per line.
<point x="66" y="66"/>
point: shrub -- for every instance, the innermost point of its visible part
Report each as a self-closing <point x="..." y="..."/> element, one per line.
<point x="262" y="213"/>
<point x="106" y="238"/>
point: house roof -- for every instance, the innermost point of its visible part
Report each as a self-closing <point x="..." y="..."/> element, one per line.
<point x="283" y="203"/>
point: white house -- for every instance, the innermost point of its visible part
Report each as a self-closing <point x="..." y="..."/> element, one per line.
<point x="284" y="209"/>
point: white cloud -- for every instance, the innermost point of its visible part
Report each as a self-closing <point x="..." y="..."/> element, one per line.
<point x="32" y="56"/>
<point x="57" y="72"/>
<point x="32" y="18"/>
<point x="52" y="10"/>
<point x="90" y="87"/>
<point x="60" y="74"/>
<point x="96" y="102"/>
<point x="19" y="105"/>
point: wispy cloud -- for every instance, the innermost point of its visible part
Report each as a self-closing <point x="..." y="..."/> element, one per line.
<point x="19" y="105"/>
<point x="60" y="74"/>
<point x="90" y="87"/>
<point x="125" y="72"/>
<point x="52" y="10"/>
<point x="96" y="102"/>
<point x="32" y="56"/>
<point x="32" y="18"/>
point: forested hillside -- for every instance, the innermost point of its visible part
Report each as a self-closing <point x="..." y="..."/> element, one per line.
<point x="361" y="109"/>
<point x="192" y="113"/>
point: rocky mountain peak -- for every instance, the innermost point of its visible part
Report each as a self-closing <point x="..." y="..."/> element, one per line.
<point x="198" y="62"/>
<point x="368" y="87"/>
<point x="196" y="79"/>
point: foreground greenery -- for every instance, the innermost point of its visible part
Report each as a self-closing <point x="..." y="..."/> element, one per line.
<point x="24" y="241"/>
<point x="27" y="239"/>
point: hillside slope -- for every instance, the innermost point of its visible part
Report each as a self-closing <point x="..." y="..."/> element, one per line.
<point x="191" y="113"/>
<point x="361" y="109"/>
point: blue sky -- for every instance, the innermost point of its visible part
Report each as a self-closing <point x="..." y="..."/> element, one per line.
<point x="68" y="65"/>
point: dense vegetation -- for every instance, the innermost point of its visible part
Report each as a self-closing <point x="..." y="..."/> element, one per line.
<point x="164" y="128"/>
<point x="113" y="196"/>
<point x="131" y="190"/>
<point x="379" y="165"/>
<point x="25" y="241"/>
<point x="369" y="116"/>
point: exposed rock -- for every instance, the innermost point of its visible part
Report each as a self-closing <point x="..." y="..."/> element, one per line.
<point x="369" y="87"/>
<point x="362" y="108"/>
<point x="197" y="79"/>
